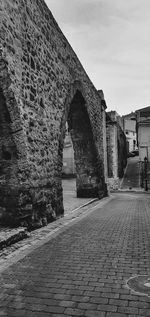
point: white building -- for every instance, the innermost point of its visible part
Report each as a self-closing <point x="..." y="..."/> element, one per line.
<point x="130" y="131"/>
<point x="69" y="169"/>
<point x="143" y="131"/>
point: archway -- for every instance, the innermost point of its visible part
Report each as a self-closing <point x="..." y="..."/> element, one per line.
<point x="85" y="153"/>
<point x="12" y="151"/>
<point x="89" y="177"/>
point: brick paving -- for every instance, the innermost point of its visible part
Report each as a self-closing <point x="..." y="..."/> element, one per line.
<point x="82" y="271"/>
<point x="10" y="236"/>
<point x="38" y="237"/>
<point x="131" y="179"/>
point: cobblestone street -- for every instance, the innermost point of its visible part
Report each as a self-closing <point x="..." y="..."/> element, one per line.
<point x="131" y="179"/>
<point x="82" y="269"/>
<point x="72" y="204"/>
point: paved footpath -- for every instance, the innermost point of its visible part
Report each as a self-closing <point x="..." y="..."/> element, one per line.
<point x="8" y="235"/>
<point x="82" y="269"/>
<point x="131" y="177"/>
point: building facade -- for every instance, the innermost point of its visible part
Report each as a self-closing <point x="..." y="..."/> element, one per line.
<point x="143" y="139"/>
<point x="129" y="127"/>
<point x="68" y="169"/>
<point x="143" y="132"/>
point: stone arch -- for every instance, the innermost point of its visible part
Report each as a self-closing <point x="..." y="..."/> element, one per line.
<point x="11" y="147"/>
<point x="89" y="182"/>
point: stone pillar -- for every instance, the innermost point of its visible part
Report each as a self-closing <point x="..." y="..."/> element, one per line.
<point x="86" y="156"/>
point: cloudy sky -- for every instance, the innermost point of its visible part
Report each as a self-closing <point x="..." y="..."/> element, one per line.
<point x="112" y="41"/>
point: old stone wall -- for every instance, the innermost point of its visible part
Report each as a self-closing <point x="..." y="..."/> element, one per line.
<point x="42" y="85"/>
<point x="122" y="151"/>
<point x="112" y="151"/>
<point x="116" y="150"/>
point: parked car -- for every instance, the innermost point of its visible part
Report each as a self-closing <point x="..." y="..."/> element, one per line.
<point x="131" y="154"/>
<point x="136" y="152"/>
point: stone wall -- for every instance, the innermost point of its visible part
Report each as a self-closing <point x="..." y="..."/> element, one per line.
<point x="112" y="151"/>
<point x="122" y="152"/>
<point x="42" y="85"/>
<point x="116" y="150"/>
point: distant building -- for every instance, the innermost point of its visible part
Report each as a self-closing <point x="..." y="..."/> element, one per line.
<point x="68" y="169"/>
<point x="143" y="132"/>
<point x="129" y="127"/>
<point x="143" y="138"/>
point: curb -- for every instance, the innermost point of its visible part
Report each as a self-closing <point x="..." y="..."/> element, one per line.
<point x="11" y="236"/>
<point x="136" y="191"/>
<point x="84" y="205"/>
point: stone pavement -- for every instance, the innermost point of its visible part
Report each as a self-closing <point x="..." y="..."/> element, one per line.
<point x="10" y="236"/>
<point x="131" y="179"/>
<point x="36" y="238"/>
<point x="82" y="269"/>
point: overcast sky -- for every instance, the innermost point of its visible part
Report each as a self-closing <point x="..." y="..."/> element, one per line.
<point x="112" y="41"/>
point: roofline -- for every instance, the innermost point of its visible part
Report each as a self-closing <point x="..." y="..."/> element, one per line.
<point x="141" y="109"/>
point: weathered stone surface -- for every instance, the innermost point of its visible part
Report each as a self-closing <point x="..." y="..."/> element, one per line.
<point x="42" y="85"/>
<point x="116" y="149"/>
<point x="10" y="236"/>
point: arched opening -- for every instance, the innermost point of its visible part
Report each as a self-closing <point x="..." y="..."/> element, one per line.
<point x="83" y="161"/>
<point x="85" y="153"/>
<point x="68" y="173"/>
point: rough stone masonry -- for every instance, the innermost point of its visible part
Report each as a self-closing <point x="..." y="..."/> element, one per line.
<point x="43" y="85"/>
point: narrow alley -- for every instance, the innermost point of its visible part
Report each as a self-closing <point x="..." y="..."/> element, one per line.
<point x="131" y="179"/>
<point x="83" y="269"/>
<point x="74" y="195"/>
